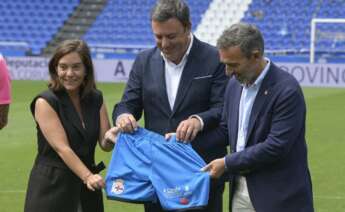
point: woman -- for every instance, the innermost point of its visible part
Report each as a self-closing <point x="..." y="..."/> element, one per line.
<point x="71" y="117"/>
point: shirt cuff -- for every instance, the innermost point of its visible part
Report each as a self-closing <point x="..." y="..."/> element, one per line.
<point x="200" y="119"/>
<point x="225" y="166"/>
<point x="123" y="114"/>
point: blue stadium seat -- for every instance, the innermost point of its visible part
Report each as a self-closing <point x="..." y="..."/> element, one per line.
<point x="127" y="22"/>
<point x="130" y="21"/>
<point x="31" y="20"/>
<point x="297" y="16"/>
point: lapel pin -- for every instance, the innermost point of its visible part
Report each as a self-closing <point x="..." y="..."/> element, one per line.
<point x="266" y="92"/>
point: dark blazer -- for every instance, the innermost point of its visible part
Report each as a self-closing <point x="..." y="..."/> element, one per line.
<point x="52" y="185"/>
<point x="274" y="160"/>
<point x="200" y="92"/>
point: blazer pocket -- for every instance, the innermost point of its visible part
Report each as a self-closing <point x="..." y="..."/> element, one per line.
<point x="203" y="77"/>
<point x="200" y="89"/>
<point x="202" y="81"/>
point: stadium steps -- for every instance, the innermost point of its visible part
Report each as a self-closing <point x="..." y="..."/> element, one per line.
<point x="220" y="14"/>
<point x="77" y="25"/>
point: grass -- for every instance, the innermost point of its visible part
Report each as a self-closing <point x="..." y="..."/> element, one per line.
<point x="325" y="137"/>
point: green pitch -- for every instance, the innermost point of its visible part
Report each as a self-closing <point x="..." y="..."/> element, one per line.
<point x="325" y="136"/>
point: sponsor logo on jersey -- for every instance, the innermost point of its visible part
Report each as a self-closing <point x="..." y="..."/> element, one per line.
<point x="179" y="192"/>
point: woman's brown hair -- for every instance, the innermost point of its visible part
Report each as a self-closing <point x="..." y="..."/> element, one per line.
<point x="81" y="48"/>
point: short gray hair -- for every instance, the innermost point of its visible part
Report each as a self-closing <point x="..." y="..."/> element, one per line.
<point x="166" y="9"/>
<point x="246" y="36"/>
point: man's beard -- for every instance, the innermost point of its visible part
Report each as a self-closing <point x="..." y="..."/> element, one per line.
<point x="246" y="79"/>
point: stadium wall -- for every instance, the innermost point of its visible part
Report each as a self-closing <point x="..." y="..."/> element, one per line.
<point x="117" y="70"/>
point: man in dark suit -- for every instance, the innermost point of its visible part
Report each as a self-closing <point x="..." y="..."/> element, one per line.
<point x="264" y="118"/>
<point x="179" y="85"/>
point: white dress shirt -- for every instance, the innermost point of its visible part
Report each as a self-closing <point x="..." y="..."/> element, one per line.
<point x="173" y="73"/>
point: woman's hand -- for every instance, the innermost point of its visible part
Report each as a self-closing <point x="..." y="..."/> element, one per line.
<point x="111" y="135"/>
<point x="94" y="181"/>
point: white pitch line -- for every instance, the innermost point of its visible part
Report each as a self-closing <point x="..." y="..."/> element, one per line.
<point x="12" y="191"/>
<point x="315" y="196"/>
<point x="328" y="197"/>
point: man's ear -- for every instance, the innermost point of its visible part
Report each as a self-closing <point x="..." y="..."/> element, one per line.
<point x="188" y="27"/>
<point x="256" y="54"/>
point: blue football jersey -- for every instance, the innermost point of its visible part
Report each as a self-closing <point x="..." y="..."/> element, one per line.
<point x="144" y="167"/>
<point x="128" y="175"/>
<point x="176" y="176"/>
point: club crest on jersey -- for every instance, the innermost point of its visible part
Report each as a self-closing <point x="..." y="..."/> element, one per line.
<point x="118" y="186"/>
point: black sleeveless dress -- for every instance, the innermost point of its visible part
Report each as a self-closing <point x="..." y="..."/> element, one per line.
<point x="52" y="185"/>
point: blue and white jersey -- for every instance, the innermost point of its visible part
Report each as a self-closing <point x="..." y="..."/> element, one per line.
<point x="144" y="167"/>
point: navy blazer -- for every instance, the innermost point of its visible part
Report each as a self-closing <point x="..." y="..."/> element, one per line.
<point x="200" y="92"/>
<point x="274" y="160"/>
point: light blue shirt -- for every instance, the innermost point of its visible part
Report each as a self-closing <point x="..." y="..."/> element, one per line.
<point x="246" y="104"/>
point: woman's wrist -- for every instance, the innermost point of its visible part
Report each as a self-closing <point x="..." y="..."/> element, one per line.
<point x="86" y="177"/>
<point x="108" y="143"/>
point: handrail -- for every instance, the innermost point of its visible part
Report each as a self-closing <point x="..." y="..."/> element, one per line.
<point x="15" y="44"/>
